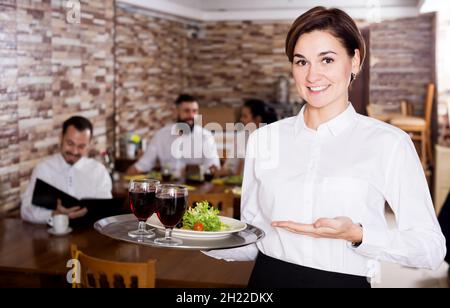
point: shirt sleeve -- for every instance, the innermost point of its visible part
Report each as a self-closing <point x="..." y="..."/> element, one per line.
<point x="417" y="241"/>
<point x="249" y="208"/>
<point x="104" y="183"/>
<point x="28" y="211"/>
<point x="148" y="160"/>
<point x="210" y="152"/>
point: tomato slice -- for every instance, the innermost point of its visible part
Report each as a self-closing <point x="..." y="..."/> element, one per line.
<point x="198" y="226"/>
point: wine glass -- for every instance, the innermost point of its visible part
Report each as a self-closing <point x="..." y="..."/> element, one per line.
<point x="172" y="202"/>
<point x="142" y="198"/>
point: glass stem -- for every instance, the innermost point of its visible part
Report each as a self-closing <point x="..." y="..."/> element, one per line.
<point x="141" y="227"/>
<point x="168" y="233"/>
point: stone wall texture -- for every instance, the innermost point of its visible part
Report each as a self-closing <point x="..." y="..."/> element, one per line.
<point x="402" y="54"/>
<point x="50" y="70"/>
<point x="122" y="67"/>
<point x="9" y="124"/>
<point x="234" y="61"/>
<point x="152" y="68"/>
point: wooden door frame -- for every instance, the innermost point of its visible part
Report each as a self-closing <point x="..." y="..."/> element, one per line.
<point x="362" y="83"/>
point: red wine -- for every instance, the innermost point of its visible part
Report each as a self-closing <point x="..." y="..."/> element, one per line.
<point x="142" y="204"/>
<point x="170" y="209"/>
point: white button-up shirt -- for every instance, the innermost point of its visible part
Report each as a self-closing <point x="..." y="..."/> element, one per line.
<point x="86" y="179"/>
<point x="349" y="167"/>
<point x="195" y="148"/>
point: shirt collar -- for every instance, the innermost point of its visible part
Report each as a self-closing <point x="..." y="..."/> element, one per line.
<point x="196" y="130"/>
<point x="336" y="125"/>
<point x="67" y="166"/>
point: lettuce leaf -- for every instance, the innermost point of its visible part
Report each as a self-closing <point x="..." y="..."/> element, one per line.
<point x="205" y="214"/>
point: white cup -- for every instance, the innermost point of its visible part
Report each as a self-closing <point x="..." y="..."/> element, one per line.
<point x="59" y="222"/>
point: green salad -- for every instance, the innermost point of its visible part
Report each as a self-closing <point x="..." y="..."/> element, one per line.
<point x="233" y="179"/>
<point x="203" y="217"/>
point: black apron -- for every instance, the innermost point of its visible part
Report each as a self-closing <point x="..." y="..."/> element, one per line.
<point x="444" y="221"/>
<point x="273" y="273"/>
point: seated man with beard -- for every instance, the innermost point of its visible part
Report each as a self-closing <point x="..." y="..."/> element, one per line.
<point x="71" y="172"/>
<point x="177" y="145"/>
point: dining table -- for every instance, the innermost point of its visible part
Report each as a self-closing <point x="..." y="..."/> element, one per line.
<point x="32" y="257"/>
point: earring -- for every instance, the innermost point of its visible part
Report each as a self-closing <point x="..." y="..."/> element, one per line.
<point x="353" y="77"/>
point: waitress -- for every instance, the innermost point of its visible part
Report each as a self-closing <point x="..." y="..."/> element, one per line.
<point x="317" y="183"/>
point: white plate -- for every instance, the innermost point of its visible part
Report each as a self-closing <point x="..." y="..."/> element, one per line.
<point x="235" y="226"/>
<point x="53" y="232"/>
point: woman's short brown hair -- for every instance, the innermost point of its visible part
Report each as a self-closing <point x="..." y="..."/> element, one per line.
<point x="335" y="21"/>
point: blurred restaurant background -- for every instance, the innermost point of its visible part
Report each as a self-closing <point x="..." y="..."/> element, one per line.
<point x="122" y="64"/>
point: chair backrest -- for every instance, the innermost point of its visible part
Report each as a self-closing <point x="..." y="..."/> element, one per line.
<point x="371" y="110"/>
<point x="98" y="273"/>
<point x="429" y="103"/>
<point x="223" y="201"/>
<point x="375" y="110"/>
<point x="406" y="108"/>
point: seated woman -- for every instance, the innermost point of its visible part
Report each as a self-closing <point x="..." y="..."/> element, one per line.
<point x="254" y="114"/>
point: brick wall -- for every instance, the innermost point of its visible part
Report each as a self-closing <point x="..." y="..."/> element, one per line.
<point x="50" y="70"/>
<point x="9" y="126"/>
<point x="402" y="54"/>
<point x="152" y="68"/>
<point x="233" y="61"/>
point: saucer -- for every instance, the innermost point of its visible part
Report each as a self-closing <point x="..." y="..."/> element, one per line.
<point x="52" y="232"/>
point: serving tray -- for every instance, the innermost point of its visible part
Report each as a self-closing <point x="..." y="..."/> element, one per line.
<point x="117" y="227"/>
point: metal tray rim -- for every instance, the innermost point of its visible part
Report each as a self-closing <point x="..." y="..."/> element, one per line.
<point x="201" y="244"/>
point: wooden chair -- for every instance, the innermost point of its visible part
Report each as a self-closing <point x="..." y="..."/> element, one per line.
<point x="223" y="201"/>
<point x="420" y="128"/>
<point x="98" y="273"/>
<point x="377" y="112"/>
<point x="406" y="108"/>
